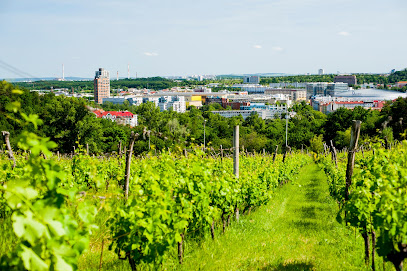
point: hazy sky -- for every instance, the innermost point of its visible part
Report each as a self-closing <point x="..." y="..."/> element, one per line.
<point x="185" y="37"/>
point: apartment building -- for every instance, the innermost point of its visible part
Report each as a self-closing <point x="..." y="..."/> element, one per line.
<point x="101" y="85"/>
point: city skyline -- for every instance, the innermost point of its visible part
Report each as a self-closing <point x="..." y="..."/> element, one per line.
<point x="160" y="38"/>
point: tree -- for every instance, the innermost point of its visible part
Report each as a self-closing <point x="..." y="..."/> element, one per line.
<point x="317" y="144"/>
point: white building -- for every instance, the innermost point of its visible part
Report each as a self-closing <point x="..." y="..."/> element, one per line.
<point x="120" y="117"/>
<point x="288" y="85"/>
<point x="271" y="111"/>
<point x="152" y="99"/>
<point x="264" y="111"/>
<point x="251" y="88"/>
<point x="203" y="89"/>
<point x="132" y="99"/>
<point x="234" y="113"/>
<point x="174" y="103"/>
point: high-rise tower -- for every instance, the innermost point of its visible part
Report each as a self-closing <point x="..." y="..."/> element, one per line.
<point x="101" y="85"/>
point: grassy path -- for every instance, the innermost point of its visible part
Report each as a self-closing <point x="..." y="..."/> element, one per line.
<point x="296" y="231"/>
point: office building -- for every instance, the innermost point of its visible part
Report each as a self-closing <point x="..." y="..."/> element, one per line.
<point x="294" y="94"/>
<point x="350" y="79"/>
<point x="320" y="71"/>
<point x="101" y="85"/>
<point x="288" y="85"/>
<point x="251" y="80"/>
<point x="330" y="104"/>
<point x="314" y="89"/>
<point x="251" y="88"/>
<point x="174" y="103"/>
<point x="235" y="113"/>
<point x="193" y="101"/>
<point x="325" y="89"/>
<point x="262" y="110"/>
<point x="335" y="89"/>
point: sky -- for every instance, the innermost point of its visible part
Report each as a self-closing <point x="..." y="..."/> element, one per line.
<point x="189" y="37"/>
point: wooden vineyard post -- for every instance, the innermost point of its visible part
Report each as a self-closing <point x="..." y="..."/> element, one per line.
<point x="213" y="230"/>
<point x="101" y="255"/>
<point x="236" y="151"/>
<point x="275" y="153"/>
<point x="180" y="249"/>
<point x="334" y="155"/>
<point x="221" y="153"/>
<point x="129" y="153"/>
<point x="373" y="249"/>
<point x="236" y="161"/>
<point x="87" y="149"/>
<point x="6" y="136"/>
<point x="355" y="132"/>
<point x="365" y="236"/>
<point x="285" y="153"/>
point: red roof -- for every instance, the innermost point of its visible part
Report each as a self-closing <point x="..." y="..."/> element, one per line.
<point x="349" y="102"/>
<point x="101" y="114"/>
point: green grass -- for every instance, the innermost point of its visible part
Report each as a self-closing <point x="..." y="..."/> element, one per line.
<point x="297" y="230"/>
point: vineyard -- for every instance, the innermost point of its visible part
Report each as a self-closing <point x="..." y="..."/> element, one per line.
<point x="50" y="206"/>
<point x="374" y="200"/>
<point x="145" y="208"/>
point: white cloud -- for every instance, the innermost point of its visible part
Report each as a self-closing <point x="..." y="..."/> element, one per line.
<point x="150" y="54"/>
<point x="344" y="33"/>
<point x="257" y="46"/>
<point x="277" y="48"/>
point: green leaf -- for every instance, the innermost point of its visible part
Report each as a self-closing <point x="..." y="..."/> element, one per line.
<point x="61" y="265"/>
<point x="17" y="91"/>
<point x="56" y="227"/>
<point x="13" y="107"/>
<point x="32" y="261"/>
<point x="87" y="212"/>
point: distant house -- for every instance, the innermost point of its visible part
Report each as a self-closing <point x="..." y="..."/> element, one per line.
<point x="401" y="84"/>
<point x="120" y="117"/>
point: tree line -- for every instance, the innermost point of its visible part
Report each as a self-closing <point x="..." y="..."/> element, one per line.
<point x="69" y="122"/>
<point x="361" y="78"/>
